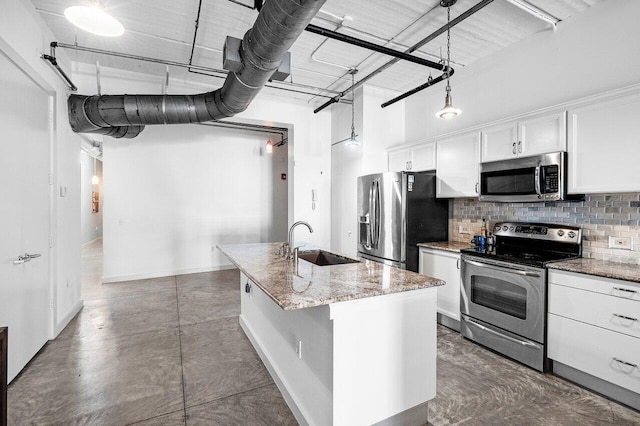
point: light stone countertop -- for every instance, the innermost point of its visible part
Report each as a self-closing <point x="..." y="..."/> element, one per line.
<point x="600" y="268"/>
<point x="451" y="246"/>
<point x="314" y="285"/>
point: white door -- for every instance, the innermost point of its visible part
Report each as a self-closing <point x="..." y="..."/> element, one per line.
<point x="24" y="214"/>
<point x="423" y="157"/>
<point x="400" y="161"/>
<point x="446" y="266"/>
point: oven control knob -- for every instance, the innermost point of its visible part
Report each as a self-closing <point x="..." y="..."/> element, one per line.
<point x="560" y="233"/>
<point x="511" y="228"/>
<point x="571" y="234"/>
<point x="504" y="228"/>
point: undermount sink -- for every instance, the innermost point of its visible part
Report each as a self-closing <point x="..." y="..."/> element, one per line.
<point x="324" y="258"/>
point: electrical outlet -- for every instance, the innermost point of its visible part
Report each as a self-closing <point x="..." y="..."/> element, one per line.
<point x="299" y="348"/>
<point x="622" y="243"/>
<point x="464" y="229"/>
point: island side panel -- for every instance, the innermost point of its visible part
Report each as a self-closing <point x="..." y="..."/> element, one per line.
<point x="306" y="382"/>
<point x="384" y="356"/>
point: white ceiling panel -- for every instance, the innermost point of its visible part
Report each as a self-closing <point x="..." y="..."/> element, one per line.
<point x="165" y="29"/>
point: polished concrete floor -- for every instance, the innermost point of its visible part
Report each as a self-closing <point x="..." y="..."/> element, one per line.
<point x="169" y="351"/>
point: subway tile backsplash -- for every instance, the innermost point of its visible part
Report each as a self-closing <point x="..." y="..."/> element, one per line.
<point x="600" y="216"/>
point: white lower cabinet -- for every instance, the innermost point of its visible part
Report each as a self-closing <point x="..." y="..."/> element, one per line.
<point x="593" y="327"/>
<point x="445" y="266"/>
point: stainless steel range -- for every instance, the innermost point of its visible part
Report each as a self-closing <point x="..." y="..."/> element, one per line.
<point x="504" y="288"/>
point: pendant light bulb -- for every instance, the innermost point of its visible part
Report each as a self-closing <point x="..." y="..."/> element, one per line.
<point x="448" y="110"/>
<point x="353" y="141"/>
<point x="93" y="18"/>
<point x="269" y="148"/>
<point x="95" y="180"/>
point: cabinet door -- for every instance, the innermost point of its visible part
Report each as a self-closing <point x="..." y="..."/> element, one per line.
<point x="604" y="146"/>
<point x="457" y="166"/>
<point x="445" y="266"/>
<point x="542" y="134"/>
<point x="400" y="160"/>
<point x="423" y="157"/>
<point x="500" y="142"/>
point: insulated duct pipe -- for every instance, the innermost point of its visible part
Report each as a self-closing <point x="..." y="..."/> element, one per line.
<point x="278" y="25"/>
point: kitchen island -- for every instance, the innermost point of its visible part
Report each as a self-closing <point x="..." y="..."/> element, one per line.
<point x="346" y="344"/>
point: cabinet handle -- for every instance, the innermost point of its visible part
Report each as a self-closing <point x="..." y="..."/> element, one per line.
<point x="247" y="287"/>
<point x="624" y="362"/>
<point x="476" y="187"/>
<point x="409" y="165"/>
<point x="520" y="146"/>
<point x="625" y="317"/>
<point x="624" y="289"/>
<point x="458" y="263"/>
<point x="514" y="147"/>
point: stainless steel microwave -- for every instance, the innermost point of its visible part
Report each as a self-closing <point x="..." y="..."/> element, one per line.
<point x="527" y="179"/>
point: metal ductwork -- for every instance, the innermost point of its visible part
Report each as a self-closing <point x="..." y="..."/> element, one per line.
<point x="278" y="25"/>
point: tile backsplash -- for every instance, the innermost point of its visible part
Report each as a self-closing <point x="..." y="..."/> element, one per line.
<point x="600" y="216"/>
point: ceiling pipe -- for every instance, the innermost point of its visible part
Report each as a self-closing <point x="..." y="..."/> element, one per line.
<point x="430" y="82"/>
<point x="278" y="25"/>
<point x="480" y="5"/>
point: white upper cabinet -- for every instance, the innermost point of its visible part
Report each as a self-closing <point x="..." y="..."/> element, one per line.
<point x="604" y="146"/>
<point x="415" y="158"/>
<point x="500" y="142"/>
<point x="530" y="136"/>
<point x="458" y="158"/>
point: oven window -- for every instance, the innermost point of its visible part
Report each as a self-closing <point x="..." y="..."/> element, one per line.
<point x="509" y="182"/>
<point x="499" y="295"/>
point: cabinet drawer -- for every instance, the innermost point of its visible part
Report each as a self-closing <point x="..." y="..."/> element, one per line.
<point x="612" y="313"/>
<point x="595" y="350"/>
<point x="623" y="289"/>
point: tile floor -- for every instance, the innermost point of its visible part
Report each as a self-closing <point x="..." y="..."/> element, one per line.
<point x="169" y="351"/>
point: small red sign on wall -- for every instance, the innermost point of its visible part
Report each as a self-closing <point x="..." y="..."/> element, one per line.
<point x="283" y="176"/>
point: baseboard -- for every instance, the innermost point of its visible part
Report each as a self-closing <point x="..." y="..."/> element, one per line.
<point x="597" y="385"/>
<point x="448" y="322"/>
<point x="67" y="318"/>
<point x="169" y="273"/>
<point x="88" y="243"/>
<point x="273" y="371"/>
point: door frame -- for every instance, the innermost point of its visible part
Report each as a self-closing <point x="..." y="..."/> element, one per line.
<point x="35" y="76"/>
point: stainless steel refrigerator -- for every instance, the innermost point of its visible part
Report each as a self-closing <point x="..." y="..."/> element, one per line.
<point x="396" y="211"/>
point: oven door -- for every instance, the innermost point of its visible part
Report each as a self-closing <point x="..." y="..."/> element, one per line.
<point x="509" y="296"/>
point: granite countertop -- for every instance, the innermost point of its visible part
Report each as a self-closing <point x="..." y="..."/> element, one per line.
<point x="446" y="246"/>
<point x="313" y="285"/>
<point x="600" y="268"/>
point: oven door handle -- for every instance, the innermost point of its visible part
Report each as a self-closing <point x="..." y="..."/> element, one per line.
<point x="511" y="339"/>
<point x="502" y="268"/>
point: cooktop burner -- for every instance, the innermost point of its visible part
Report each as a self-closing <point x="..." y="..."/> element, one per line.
<point x="532" y="244"/>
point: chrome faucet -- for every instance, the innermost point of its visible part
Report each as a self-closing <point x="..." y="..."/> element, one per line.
<point x="289" y="249"/>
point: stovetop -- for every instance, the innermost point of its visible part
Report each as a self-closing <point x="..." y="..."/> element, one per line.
<point x="532" y="244"/>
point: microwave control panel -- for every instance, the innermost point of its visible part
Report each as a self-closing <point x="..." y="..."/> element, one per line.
<point x="550" y="176"/>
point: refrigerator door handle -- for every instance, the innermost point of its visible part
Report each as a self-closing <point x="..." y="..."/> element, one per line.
<point x="372" y="214"/>
<point x="378" y="207"/>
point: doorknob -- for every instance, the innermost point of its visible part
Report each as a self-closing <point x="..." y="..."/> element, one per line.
<point x="25" y="258"/>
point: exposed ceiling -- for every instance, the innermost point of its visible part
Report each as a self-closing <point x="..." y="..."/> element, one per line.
<point x="164" y="29"/>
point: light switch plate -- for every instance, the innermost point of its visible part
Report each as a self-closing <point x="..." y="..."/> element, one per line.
<point x="621" y="243"/>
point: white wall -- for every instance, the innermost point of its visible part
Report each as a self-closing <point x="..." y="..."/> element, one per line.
<point x="90" y="223"/>
<point x="23" y="38"/>
<point x="176" y="236"/>
<point x="378" y="129"/>
<point x="594" y="52"/>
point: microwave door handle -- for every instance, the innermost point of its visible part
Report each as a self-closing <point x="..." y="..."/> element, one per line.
<point x="502" y="268"/>
<point x="537" y="182"/>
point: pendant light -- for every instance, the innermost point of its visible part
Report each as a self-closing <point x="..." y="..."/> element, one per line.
<point x="95" y="180"/>
<point x="269" y="148"/>
<point x="92" y="18"/>
<point x="353" y="141"/>
<point x="448" y="110"/>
